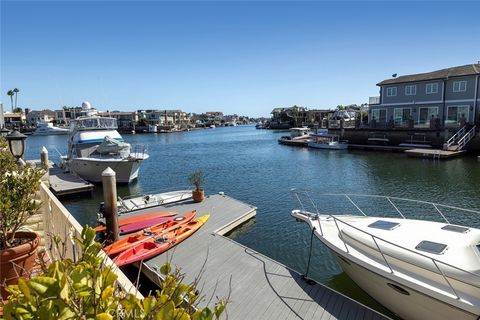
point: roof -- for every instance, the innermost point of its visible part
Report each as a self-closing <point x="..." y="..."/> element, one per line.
<point x="466" y="70"/>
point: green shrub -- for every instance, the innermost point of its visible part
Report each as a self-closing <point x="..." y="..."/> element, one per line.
<point x="86" y="289"/>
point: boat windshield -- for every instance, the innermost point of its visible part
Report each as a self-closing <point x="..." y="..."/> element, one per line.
<point x="95" y="123"/>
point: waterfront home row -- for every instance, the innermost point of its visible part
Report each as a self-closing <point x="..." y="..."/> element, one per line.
<point x="451" y="95"/>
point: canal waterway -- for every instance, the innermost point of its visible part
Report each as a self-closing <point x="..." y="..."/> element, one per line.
<point x="250" y="165"/>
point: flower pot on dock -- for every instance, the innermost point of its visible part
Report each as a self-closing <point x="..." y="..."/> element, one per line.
<point x="17" y="261"/>
<point x="198" y="195"/>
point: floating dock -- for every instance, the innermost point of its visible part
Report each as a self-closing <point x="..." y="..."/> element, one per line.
<point x="64" y="183"/>
<point x="434" y="153"/>
<point x="260" y="288"/>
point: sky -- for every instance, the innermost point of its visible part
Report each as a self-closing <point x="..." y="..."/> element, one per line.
<point x="235" y="57"/>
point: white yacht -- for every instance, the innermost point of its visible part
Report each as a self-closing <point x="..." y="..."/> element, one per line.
<point x="95" y="144"/>
<point x="327" y="141"/>
<point x="47" y="128"/>
<point x="418" y="269"/>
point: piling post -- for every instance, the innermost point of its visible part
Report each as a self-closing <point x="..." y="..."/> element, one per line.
<point x="44" y="164"/>
<point x="109" y="183"/>
<point x="44" y="158"/>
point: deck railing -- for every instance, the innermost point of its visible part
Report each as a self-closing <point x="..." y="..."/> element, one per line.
<point x="55" y="221"/>
<point x="348" y="197"/>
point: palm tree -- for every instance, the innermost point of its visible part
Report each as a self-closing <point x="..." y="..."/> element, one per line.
<point x="11" y="93"/>
<point x="16" y="93"/>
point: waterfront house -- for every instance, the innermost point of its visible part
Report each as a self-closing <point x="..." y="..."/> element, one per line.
<point x="70" y="113"/>
<point x="34" y="116"/>
<point x="125" y="120"/>
<point x="165" y="118"/>
<point x="13" y="120"/>
<point x="448" y="97"/>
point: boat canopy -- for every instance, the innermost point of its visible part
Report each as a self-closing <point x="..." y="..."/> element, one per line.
<point x="94" y="123"/>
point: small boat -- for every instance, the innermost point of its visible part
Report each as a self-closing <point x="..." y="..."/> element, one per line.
<point x="418" y="269"/>
<point x="298" y="136"/>
<point x="137" y="218"/>
<point x="47" y="128"/>
<point x="137" y="238"/>
<point x="138" y="202"/>
<point x="160" y="243"/>
<point x="327" y="141"/>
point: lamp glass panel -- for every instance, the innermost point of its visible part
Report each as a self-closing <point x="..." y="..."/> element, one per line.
<point x="16" y="147"/>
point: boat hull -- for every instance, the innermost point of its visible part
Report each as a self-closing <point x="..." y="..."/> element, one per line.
<point x="411" y="304"/>
<point x="328" y="146"/>
<point x="91" y="169"/>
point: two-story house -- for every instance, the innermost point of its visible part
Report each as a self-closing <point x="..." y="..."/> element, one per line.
<point x="452" y="95"/>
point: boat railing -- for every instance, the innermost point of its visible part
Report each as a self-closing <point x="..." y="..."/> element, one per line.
<point x="138" y="151"/>
<point x="435" y="262"/>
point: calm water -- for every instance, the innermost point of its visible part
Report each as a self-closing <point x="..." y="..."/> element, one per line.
<point x="251" y="166"/>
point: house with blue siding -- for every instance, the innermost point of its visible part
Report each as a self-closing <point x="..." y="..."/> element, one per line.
<point x="448" y="97"/>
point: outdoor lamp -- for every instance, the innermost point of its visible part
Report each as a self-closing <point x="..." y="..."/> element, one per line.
<point x="4" y="132"/>
<point x="16" y="143"/>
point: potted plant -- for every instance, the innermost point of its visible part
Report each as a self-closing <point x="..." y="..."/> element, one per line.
<point x="196" y="178"/>
<point x="17" y="247"/>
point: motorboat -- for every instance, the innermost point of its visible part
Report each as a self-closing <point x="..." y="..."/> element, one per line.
<point x="139" y="202"/>
<point x="418" y="269"/>
<point x="47" y="128"/>
<point x="298" y="136"/>
<point x="327" y="141"/>
<point x="94" y="144"/>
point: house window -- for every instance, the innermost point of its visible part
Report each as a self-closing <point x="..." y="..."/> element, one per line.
<point x="425" y="114"/>
<point x="432" y="88"/>
<point x="460" y="86"/>
<point x="455" y="114"/>
<point x="401" y="116"/>
<point x="391" y="91"/>
<point x="380" y="115"/>
<point x="411" y="90"/>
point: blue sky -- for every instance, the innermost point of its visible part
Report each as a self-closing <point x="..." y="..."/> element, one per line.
<point x="235" y="57"/>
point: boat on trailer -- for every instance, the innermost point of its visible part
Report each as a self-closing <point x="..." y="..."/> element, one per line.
<point x="418" y="269"/>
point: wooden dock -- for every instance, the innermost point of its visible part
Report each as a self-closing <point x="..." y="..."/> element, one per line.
<point x="434" y="153"/>
<point x="261" y="288"/>
<point x="64" y="183"/>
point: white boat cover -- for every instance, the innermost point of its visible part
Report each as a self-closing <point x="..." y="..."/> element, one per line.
<point x="110" y="145"/>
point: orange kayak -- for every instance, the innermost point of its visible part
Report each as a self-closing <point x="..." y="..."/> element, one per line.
<point x="148" y="233"/>
<point x="159" y="244"/>
<point x="139" y="217"/>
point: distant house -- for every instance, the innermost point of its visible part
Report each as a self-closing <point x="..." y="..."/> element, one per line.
<point x="166" y="117"/>
<point x="451" y="95"/>
<point x="125" y="120"/>
<point x="34" y="117"/>
<point x="13" y="120"/>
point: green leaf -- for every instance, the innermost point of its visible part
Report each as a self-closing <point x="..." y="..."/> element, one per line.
<point x="149" y="304"/>
<point x="23" y="286"/>
<point x="42" y="284"/>
<point x="103" y="316"/>
<point x="166" y="268"/>
<point x="108" y="292"/>
<point x="203" y="314"/>
<point x="166" y="312"/>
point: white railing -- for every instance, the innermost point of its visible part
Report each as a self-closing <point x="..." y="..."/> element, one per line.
<point x="348" y="198"/>
<point x="58" y="222"/>
<point x="374" y="100"/>
<point x="466" y="138"/>
<point x="453" y="139"/>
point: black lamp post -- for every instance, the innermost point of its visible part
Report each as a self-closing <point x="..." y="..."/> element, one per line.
<point x="4" y="132"/>
<point x="16" y="144"/>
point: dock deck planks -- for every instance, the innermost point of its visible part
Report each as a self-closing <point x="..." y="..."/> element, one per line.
<point x="261" y="288"/>
<point x="63" y="183"/>
<point x="434" y="153"/>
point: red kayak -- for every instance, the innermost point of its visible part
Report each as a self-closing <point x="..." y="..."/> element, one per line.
<point x="136" y="238"/>
<point x="159" y="244"/>
<point x="139" y="217"/>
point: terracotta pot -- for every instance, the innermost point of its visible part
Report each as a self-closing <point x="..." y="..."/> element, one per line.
<point x="18" y="261"/>
<point x="199" y="195"/>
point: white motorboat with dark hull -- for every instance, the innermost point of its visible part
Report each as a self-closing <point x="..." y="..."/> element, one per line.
<point x="327" y="141"/>
<point x="94" y="145"/>
<point x="418" y="269"/>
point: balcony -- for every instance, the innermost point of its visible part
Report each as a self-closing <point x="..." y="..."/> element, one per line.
<point x="374" y="100"/>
